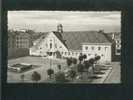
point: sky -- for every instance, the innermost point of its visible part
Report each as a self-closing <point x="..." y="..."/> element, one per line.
<point x="45" y="21"/>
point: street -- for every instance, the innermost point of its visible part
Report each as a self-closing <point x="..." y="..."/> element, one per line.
<point x="115" y="75"/>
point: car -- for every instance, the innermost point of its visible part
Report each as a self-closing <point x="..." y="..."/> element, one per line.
<point x="19" y="67"/>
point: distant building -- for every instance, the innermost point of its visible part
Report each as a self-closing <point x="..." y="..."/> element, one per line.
<point x="72" y="44"/>
<point x="116" y="39"/>
<point x="19" y="39"/>
<point x="19" y="43"/>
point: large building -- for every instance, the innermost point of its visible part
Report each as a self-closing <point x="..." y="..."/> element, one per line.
<point x="19" y="43"/>
<point x="19" y="39"/>
<point x="116" y="39"/>
<point x="72" y="44"/>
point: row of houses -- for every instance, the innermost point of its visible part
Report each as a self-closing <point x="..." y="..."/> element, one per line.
<point x="64" y="44"/>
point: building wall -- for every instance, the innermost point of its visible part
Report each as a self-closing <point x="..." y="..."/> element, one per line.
<point x="18" y="44"/>
<point x="49" y="44"/>
<point x="52" y="44"/>
<point x="19" y="40"/>
<point x="92" y="50"/>
<point x="71" y="53"/>
<point x="118" y="47"/>
<point x="22" y="40"/>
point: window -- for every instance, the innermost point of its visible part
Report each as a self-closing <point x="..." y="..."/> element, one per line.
<point x="65" y="53"/>
<point x="86" y="47"/>
<point x="50" y="45"/>
<point x="99" y="48"/>
<point x="102" y="55"/>
<point x="55" y="45"/>
<point x="92" y="48"/>
<point x="68" y="53"/>
<point x="118" y="50"/>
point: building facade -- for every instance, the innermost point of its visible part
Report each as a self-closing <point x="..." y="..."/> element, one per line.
<point x="19" y="39"/>
<point x="72" y="44"/>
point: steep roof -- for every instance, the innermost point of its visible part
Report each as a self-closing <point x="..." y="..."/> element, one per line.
<point x="59" y="36"/>
<point x="40" y="38"/>
<point x="74" y="39"/>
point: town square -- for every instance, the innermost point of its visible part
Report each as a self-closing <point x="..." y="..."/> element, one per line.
<point x="52" y="49"/>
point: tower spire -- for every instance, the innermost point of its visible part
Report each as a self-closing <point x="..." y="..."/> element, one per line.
<point x="60" y="28"/>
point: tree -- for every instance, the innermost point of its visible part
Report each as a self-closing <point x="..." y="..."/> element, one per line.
<point x="87" y="65"/>
<point x="84" y="57"/>
<point x="80" y="68"/>
<point x="81" y="58"/>
<point x="97" y="58"/>
<point x="69" y="61"/>
<point x="59" y="67"/>
<point x="91" y="62"/>
<point x="50" y="72"/>
<point x="74" y="61"/>
<point x="72" y="74"/>
<point x="60" y="77"/>
<point x="36" y="76"/>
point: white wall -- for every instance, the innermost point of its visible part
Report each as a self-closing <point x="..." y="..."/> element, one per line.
<point x="44" y="45"/>
<point x="104" y="52"/>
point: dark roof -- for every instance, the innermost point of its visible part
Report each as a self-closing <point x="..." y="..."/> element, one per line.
<point x="40" y="38"/>
<point x="59" y="36"/>
<point x="74" y="39"/>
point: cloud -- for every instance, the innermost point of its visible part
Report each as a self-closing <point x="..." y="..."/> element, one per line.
<point x="47" y="20"/>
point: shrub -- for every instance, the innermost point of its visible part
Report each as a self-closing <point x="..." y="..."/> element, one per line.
<point x="74" y="61"/>
<point x="80" y="68"/>
<point x="59" y="67"/>
<point x="72" y="74"/>
<point x="81" y="58"/>
<point x="36" y="76"/>
<point x="50" y="72"/>
<point x="84" y="56"/>
<point x="97" y="58"/>
<point x="87" y="64"/>
<point x="69" y="61"/>
<point x="60" y="77"/>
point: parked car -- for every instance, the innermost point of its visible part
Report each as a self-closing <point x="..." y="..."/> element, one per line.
<point x="20" y="67"/>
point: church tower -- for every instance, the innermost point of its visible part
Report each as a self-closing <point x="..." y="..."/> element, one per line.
<point x="60" y="28"/>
